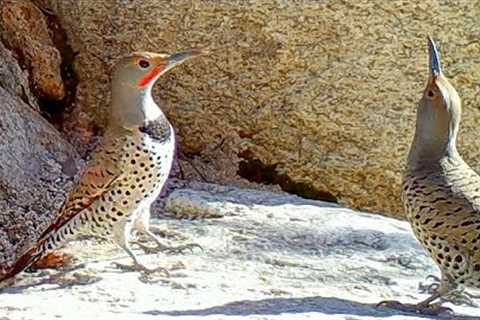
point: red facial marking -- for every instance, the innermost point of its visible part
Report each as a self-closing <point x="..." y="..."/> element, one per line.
<point x="145" y="81"/>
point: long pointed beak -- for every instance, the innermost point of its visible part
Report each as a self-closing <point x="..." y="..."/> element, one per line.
<point x="434" y="58"/>
<point x="182" y="56"/>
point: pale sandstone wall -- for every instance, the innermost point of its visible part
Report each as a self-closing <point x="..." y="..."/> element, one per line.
<point x="324" y="90"/>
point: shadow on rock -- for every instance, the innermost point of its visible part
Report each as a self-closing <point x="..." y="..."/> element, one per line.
<point x="276" y="306"/>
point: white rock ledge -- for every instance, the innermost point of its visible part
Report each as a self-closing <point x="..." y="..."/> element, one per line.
<point x="271" y="256"/>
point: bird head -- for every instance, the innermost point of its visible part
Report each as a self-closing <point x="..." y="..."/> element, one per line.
<point x="438" y="114"/>
<point x="132" y="81"/>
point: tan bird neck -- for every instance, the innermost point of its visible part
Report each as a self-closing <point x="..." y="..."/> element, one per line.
<point x="432" y="144"/>
<point x="438" y="121"/>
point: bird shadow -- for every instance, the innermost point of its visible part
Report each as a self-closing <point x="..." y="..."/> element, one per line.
<point x="276" y="306"/>
<point x="56" y="280"/>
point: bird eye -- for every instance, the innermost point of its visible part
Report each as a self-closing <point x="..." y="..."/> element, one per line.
<point x="144" y="64"/>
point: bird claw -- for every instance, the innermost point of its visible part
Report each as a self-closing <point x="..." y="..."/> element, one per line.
<point x="433" y="309"/>
<point x="434" y="278"/>
<point x="170" y="249"/>
<point x="459" y="298"/>
<point x="432" y="287"/>
<point x="141" y="268"/>
<point x="165" y="233"/>
<point x="185" y="247"/>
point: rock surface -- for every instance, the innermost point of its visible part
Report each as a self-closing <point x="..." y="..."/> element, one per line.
<point x="24" y="29"/>
<point x="13" y="80"/>
<point x="322" y="93"/>
<point x="36" y="163"/>
<point x="271" y="256"/>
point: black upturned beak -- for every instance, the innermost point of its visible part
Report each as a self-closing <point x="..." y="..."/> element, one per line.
<point x="180" y="57"/>
<point x="434" y="58"/>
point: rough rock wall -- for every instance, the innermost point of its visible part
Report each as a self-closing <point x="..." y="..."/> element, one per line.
<point x="24" y="29"/>
<point x="36" y="163"/>
<point x="322" y="93"/>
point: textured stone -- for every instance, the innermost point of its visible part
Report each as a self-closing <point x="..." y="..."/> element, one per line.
<point x="36" y="164"/>
<point x="24" y="29"/>
<point x="14" y="80"/>
<point x="322" y="92"/>
<point x="272" y="256"/>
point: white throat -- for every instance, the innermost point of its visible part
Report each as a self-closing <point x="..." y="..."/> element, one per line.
<point x="150" y="109"/>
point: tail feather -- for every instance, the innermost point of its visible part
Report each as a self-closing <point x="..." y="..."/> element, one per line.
<point x="22" y="263"/>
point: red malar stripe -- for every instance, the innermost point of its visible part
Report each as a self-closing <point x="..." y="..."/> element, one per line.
<point x="150" y="76"/>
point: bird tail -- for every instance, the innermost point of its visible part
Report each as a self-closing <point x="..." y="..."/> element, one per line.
<point x="26" y="260"/>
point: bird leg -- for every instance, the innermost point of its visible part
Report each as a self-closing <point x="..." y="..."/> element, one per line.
<point x="120" y="237"/>
<point x="426" y="307"/>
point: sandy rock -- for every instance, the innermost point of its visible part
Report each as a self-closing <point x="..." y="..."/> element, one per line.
<point x="321" y="93"/>
<point x="36" y="164"/>
<point x="272" y="256"/>
<point x="14" y="80"/>
<point x="24" y="29"/>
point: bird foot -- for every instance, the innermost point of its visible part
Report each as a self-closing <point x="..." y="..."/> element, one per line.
<point x="140" y="267"/>
<point x="461" y="297"/>
<point x="456" y="296"/>
<point x="165" y="233"/>
<point x="433" y="309"/>
<point x="170" y="249"/>
<point x="431" y="288"/>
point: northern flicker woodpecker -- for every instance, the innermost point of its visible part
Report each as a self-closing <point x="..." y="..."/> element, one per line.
<point x="441" y="194"/>
<point x="126" y="172"/>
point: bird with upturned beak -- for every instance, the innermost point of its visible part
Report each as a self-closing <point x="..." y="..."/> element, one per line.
<point x="441" y="195"/>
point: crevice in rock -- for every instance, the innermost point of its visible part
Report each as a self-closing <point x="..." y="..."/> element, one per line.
<point x="55" y="110"/>
<point x="255" y="170"/>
